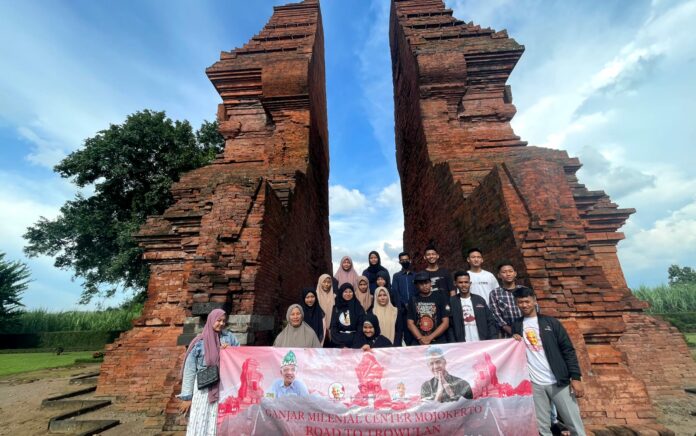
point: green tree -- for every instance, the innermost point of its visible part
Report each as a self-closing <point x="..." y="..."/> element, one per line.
<point x="14" y="279"/>
<point x="681" y="276"/>
<point x="131" y="167"/>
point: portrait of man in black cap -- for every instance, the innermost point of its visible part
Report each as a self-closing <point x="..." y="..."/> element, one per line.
<point x="428" y="313"/>
<point x="443" y="387"/>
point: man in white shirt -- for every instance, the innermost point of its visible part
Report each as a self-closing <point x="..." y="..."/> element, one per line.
<point x="471" y="320"/>
<point x="553" y="365"/>
<point x="482" y="281"/>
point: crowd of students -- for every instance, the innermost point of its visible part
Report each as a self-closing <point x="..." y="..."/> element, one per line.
<point x="431" y="306"/>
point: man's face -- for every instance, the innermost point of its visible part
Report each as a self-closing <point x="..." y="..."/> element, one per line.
<point x="424" y="287"/>
<point x="288" y="373"/>
<point x="438" y="365"/>
<point x="404" y="258"/>
<point x="527" y="305"/>
<point x="475" y="259"/>
<point x="507" y="274"/>
<point x="463" y="284"/>
<point x="431" y="257"/>
<point x="401" y="389"/>
<point x="346" y="264"/>
<point x="374" y="259"/>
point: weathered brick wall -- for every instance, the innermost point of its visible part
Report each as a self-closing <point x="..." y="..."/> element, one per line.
<point x="247" y="231"/>
<point x="468" y="180"/>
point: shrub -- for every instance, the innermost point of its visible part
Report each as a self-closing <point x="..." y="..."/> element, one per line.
<point x="669" y="299"/>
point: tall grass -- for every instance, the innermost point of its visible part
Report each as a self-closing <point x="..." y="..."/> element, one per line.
<point x="669" y="299"/>
<point x="41" y="320"/>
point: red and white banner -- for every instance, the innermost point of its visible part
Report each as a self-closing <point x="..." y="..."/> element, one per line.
<point x="479" y="388"/>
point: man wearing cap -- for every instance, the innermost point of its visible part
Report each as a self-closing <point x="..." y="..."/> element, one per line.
<point x="428" y="313"/>
<point x="288" y="384"/>
<point x="443" y="387"/>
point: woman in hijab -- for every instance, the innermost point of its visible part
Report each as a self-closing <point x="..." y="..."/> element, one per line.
<point x="390" y="318"/>
<point x="346" y="273"/>
<point x="327" y="300"/>
<point x="344" y="321"/>
<point x="372" y="270"/>
<point x="297" y="334"/>
<point x="203" y="352"/>
<point x="368" y="335"/>
<point x="313" y="313"/>
<point x="363" y="293"/>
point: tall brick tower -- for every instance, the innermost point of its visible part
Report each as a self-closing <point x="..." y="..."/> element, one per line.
<point x="468" y="180"/>
<point x="246" y="232"/>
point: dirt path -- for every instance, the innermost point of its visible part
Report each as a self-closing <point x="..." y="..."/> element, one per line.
<point x="21" y="396"/>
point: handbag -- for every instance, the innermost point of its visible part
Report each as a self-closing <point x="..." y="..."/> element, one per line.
<point x="207" y="376"/>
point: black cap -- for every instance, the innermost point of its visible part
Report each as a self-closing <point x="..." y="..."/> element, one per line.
<point x="421" y="277"/>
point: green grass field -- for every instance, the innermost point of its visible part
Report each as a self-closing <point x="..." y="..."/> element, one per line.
<point x="690" y="339"/>
<point x="25" y="362"/>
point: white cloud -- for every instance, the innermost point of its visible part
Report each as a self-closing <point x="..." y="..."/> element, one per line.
<point x="379" y="227"/>
<point x="346" y="201"/>
<point x="390" y="195"/>
<point x="671" y="240"/>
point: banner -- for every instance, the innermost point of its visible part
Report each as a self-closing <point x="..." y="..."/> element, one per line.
<point x="479" y="388"/>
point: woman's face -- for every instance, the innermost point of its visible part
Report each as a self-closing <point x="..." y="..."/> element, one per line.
<point x="310" y="299"/>
<point x="382" y="298"/>
<point x="295" y="317"/>
<point x="326" y="284"/>
<point x="363" y="286"/>
<point x="220" y="323"/>
<point x="380" y="281"/>
<point x="346" y="264"/>
<point x="373" y="259"/>
<point x="348" y="294"/>
<point x="368" y="329"/>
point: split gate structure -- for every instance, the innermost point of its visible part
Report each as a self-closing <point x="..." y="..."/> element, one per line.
<point x="247" y="231"/>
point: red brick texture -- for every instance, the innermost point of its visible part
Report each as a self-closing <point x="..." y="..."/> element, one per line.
<point x="248" y="231"/>
<point x="468" y="180"/>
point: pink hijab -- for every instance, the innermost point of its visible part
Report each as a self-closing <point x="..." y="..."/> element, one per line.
<point x="344" y="276"/>
<point x="211" y="347"/>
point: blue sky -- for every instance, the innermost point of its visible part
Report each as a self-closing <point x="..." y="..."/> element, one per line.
<point x="609" y="81"/>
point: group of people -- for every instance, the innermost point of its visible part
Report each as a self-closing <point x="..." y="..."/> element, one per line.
<point x="432" y="306"/>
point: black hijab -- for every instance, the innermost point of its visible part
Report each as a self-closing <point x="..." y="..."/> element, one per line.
<point x="313" y="315"/>
<point x="376" y="340"/>
<point x="351" y="307"/>
<point x="376" y="267"/>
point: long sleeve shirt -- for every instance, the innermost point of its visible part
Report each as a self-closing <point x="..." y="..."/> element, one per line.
<point x="403" y="288"/>
<point x="504" y="307"/>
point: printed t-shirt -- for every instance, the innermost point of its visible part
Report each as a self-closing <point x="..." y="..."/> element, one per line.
<point x="440" y="280"/>
<point x="539" y="368"/>
<point x="482" y="284"/>
<point x="427" y="313"/>
<point x="469" y="317"/>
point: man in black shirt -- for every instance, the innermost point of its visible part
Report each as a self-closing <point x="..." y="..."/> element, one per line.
<point x="440" y="278"/>
<point x="428" y="313"/>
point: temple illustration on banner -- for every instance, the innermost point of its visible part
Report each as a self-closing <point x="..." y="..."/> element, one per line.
<point x="254" y="222"/>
